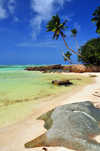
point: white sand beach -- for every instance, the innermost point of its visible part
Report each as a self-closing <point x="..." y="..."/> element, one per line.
<point x="13" y="137"/>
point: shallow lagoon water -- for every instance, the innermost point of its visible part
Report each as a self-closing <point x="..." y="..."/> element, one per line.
<point x="21" y="91"/>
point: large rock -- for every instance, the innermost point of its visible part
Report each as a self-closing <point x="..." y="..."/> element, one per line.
<point x="61" y="82"/>
<point x="93" y="68"/>
<point x="66" y="67"/>
<point x="78" y="68"/>
<point x="72" y="125"/>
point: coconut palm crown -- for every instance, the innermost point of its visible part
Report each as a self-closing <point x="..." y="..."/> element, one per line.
<point x="74" y="32"/>
<point x="55" y="26"/>
<point x="97" y="19"/>
<point x="68" y="55"/>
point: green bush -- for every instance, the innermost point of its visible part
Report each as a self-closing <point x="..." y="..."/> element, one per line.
<point x="91" y="51"/>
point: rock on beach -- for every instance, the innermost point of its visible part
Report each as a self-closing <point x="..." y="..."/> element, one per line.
<point x="72" y="126"/>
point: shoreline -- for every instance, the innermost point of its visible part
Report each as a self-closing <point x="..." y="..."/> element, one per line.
<point x="14" y="137"/>
<point x="18" y="102"/>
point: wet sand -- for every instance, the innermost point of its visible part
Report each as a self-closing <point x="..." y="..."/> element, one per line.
<point x="13" y="137"/>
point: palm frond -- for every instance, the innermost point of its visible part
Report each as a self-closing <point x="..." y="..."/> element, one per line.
<point x="95" y="19"/>
<point x="55" y="26"/>
<point x="54" y="36"/>
<point x="54" y="29"/>
<point x="57" y="36"/>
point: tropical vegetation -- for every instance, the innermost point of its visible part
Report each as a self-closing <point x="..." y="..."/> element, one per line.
<point x="68" y="55"/>
<point x="91" y="51"/>
<point x="96" y="19"/>
<point x="56" y="26"/>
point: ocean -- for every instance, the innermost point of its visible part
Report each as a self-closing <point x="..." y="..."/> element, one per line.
<point x="21" y="91"/>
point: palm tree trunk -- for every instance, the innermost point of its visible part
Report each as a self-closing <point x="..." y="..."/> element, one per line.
<point x="66" y="57"/>
<point x="74" y="61"/>
<point x="73" y="50"/>
<point x="77" y="45"/>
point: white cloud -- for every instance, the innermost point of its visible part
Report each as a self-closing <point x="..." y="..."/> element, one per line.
<point x="44" y="9"/>
<point x="16" y="19"/>
<point x="44" y="43"/>
<point x="67" y="17"/>
<point x="6" y="7"/>
<point x="78" y="27"/>
<point x="3" y="12"/>
<point x="11" y="6"/>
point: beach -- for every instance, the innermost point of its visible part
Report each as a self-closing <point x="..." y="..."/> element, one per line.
<point x="22" y="91"/>
<point x="13" y="137"/>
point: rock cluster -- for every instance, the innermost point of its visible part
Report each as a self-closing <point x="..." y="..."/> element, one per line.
<point x="79" y="68"/>
<point x="44" y="68"/>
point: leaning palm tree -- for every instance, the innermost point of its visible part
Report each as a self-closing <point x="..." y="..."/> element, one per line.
<point x="55" y="26"/>
<point x="74" y="32"/>
<point x="68" y="55"/>
<point x="97" y="19"/>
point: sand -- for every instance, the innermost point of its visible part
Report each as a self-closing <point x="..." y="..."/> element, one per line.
<point x="13" y="137"/>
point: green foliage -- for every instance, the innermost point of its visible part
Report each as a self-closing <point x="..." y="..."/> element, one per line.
<point x="68" y="55"/>
<point x="96" y="19"/>
<point x="91" y="51"/>
<point x="55" y="26"/>
<point x="74" y="32"/>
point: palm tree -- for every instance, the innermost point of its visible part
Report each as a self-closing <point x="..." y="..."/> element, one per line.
<point x="55" y="26"/>
<point x="97" y="19"/>
<point x="74" y="32"/>
<point x="68" y="55"/>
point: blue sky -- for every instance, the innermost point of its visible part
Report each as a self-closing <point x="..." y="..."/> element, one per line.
<point x="23" y="36"/>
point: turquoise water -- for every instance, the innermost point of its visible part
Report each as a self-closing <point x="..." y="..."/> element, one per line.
<point x="15" y="67"/>
<point x="21" y="91"/>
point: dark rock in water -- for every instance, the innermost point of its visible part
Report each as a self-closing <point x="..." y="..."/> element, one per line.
<point x="60" y="82"/>
<point x="72" y="125"/>
<point x="68" y="83"/>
